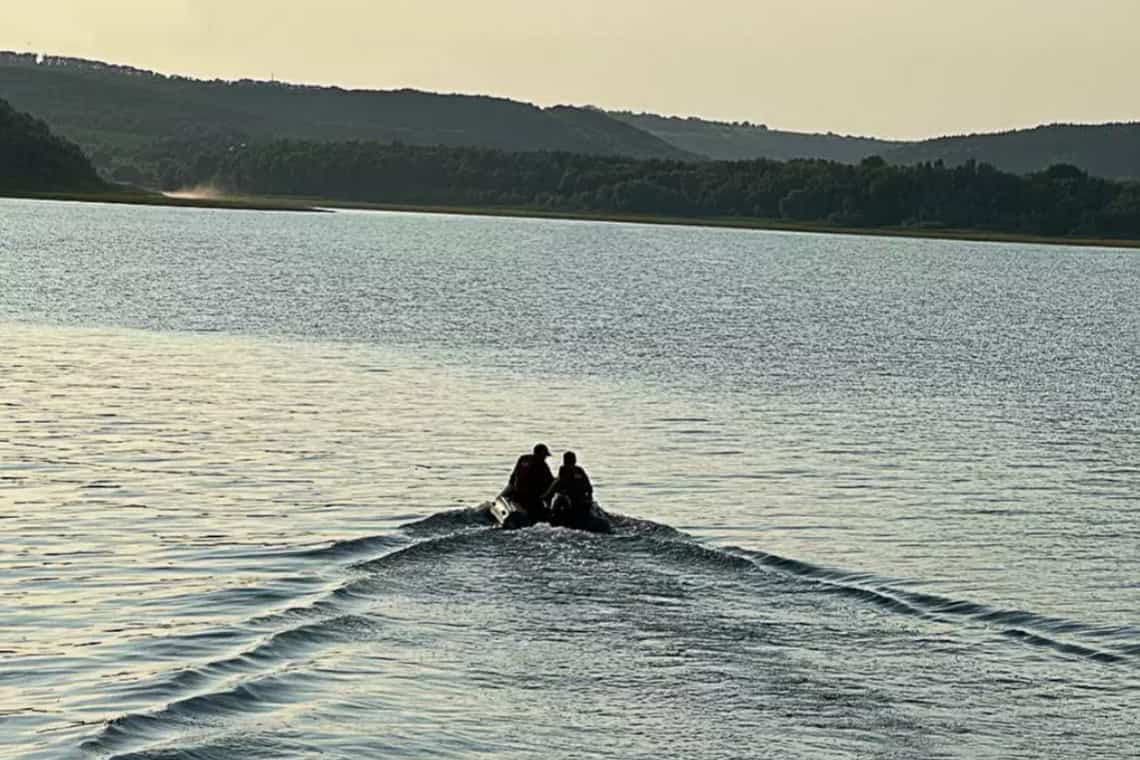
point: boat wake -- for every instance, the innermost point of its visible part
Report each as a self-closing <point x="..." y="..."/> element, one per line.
<point x="272" y="668"/>
<point x="1118" y="644"/>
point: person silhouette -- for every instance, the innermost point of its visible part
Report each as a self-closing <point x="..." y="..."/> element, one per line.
<point x="530" y="479"/>
<point x="574" y="484"/>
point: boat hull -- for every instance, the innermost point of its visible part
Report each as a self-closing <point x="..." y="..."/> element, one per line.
<point x="592" y="519"/>
<point x="510" y="515"/>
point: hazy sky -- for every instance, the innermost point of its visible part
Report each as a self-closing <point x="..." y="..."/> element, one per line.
<point x="894" y="68"/>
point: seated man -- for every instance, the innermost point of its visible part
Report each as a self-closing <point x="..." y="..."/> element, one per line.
<point x="574" y="483"/>
<point x="530" y="480"/>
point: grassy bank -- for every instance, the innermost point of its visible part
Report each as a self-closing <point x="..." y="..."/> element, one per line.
<point x="277" y="203"/>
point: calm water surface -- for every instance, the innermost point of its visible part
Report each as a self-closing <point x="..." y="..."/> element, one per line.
<point x="880" y="498"/>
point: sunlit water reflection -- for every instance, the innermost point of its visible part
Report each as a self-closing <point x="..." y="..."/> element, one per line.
<point x="881" y="497"/>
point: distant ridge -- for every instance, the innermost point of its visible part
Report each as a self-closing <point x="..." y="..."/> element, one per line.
<point x="743" y="141"/>
<point x="118" y="113"/>
<point x="1103" y="150"/>
<point x="130" y="120"/>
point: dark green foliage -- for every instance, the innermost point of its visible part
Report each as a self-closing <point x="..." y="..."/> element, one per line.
<point x="118" y="114"/>
<point x="1060" y="201"/>
<point x="32" y="159"/>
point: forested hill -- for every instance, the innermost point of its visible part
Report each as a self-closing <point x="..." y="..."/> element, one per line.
<point x="117" y="113"/>
<point x="129" y="120"/>
<point x="742" y="141"/>
<point x="1105" y="150"/>
<point x="32" y="159"/>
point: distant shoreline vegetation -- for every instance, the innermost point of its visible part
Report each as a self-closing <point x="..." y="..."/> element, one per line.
<point x="277" y="203"/>
<point x="1061" y="202"/>
<point x="930" y="199"/>
<point x="971" y="201"/>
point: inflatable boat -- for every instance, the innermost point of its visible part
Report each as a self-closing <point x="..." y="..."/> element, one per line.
<point x="561" y="513"/>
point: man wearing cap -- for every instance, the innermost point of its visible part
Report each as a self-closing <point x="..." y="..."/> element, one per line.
<point x="530" y="479"/>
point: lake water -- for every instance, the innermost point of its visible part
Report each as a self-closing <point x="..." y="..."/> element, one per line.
<point x="879" y="498"/>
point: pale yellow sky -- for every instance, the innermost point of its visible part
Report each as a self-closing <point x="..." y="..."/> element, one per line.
<point x="893" y="68"/>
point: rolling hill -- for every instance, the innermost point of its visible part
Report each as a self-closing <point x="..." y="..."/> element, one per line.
<point x="1110" y="150"/>
<point x="32" y="159"/>
<point x="743" y="141"/>
<point x="1103" y="150"/>
<point x="136" y="124"/>
<point x="118" y="114"/>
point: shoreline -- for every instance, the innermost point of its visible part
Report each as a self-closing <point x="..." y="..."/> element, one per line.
<point x="230" y="203"/>
<point x="323" y="205"/>
<point x="740" y="223"/>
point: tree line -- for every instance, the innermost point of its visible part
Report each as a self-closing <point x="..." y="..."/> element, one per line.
<point x="1061" y="201"/>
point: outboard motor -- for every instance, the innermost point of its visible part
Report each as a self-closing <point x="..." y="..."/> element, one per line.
<point x="509" y="514"/>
